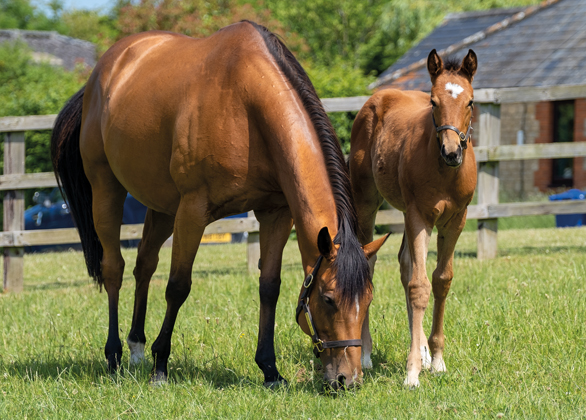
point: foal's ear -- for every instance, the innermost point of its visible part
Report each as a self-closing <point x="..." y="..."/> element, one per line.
<point x="325" y="243"/>
<point x="469" y="65"/>
<point x="373" y="247"/>
<point x="435" y="65"/>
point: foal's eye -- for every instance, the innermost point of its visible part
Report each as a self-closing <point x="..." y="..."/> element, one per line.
<point x="433" y="104"/>
<point x="471" y="104"/>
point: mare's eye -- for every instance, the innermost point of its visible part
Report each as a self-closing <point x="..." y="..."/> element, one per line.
<point x="328" y="300"/>
<point x="433" y="104"/>
<point x="471" y="104"/>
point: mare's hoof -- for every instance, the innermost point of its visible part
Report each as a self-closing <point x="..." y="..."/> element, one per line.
<point x="136" y="352"/>
<point x="158" y="379"/>
<point x="281" y="383"/>
<point x="114" y="362"/>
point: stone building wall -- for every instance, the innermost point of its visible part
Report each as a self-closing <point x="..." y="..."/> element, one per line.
<point x="52" y="47"/>
<point x="517" y="177"/>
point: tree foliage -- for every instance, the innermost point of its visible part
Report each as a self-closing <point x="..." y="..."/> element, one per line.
<point x="31" y="88"/>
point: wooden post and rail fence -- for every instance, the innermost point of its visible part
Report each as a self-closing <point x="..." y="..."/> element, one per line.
<point x="488" y="154"/>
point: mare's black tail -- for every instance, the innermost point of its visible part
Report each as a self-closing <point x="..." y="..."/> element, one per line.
<point x="73" y="182"/>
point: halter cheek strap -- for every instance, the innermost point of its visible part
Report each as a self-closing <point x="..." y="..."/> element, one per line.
<point x="303" y="305"/>
<point x="464" y="137"/>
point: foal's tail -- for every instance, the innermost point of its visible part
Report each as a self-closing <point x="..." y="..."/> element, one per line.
<point x="73" y="182"/>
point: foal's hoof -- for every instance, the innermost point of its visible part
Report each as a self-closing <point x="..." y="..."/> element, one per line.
<point x="411" y="383"/>
<point x="281" y="383"/>
<point x="158" y="379"/>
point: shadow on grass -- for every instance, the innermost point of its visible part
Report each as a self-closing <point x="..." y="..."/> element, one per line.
<point x="530" y="250"/>
<point x="57" y="285"/>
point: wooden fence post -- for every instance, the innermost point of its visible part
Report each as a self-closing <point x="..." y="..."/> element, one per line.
<point x="488" y="179"/>
<point x="13" y="212"/>
<point x="253" y="249"/>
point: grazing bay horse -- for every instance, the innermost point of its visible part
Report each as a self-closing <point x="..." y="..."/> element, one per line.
<point x="199" y="129"/>
<point x="413" y="150"/>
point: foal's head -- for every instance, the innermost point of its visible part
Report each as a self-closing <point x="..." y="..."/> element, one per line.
<point x="452" y="101"/>
<point x="338" y="301"/>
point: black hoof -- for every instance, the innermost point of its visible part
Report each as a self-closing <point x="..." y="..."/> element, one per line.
<point x="280" y="383"/>
<point x="114" y="362"/>
<point x="158" y="379"/>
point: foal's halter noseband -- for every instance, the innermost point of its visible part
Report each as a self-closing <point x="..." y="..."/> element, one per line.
<point x="464" y="137"/>
<point x="303" y="305"/>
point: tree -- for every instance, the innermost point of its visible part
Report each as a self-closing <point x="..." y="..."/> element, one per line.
<point x="29" y="88"/>
<point x="21" y="14"/>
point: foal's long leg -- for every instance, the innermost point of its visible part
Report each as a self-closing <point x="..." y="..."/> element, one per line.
<point x="157" y="228"/>
<point x="190" y="223"/>
<point x="412" y="257"/>
<point x="108" y="197"/>
<point x="367" y="200"/>
<point x="441" y="280"/>
<point x="274" y="232"/>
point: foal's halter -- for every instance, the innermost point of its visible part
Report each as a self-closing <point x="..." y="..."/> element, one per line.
<point x="303" y="305"/>
<point x="464" y="137"/>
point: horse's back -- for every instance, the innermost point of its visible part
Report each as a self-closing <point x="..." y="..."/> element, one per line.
<point x="157" y="103"/>
<point x="387" y="132"/>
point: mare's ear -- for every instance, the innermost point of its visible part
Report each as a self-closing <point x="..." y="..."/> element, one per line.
<point x="469" y="65"/>
<point x="325" y="243"/>
<point x="372" y="248"/>
<point x="435" y="65"/>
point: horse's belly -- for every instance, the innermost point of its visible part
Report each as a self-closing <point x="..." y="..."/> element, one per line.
<point x="142" y="167"/>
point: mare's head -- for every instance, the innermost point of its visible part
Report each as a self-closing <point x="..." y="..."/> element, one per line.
<point x="334" y="301"/>
<point x="452" y="101"/>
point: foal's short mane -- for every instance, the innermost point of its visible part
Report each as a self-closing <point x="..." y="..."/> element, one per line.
<point x="351" y="266"/>
<point x="452" y="64"/>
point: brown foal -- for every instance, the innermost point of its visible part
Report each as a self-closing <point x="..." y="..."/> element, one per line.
<point x="414" y="151"/>
<point x="199" y="129"/>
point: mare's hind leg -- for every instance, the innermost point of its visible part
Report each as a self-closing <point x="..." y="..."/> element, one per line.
<point x="157" y="228"/>
<point x="108" y="197"/>
<point x="441" y="280"/>
<point x="190" y="222"/>
<point x="274" y="233"/>
<point x="412" y="258"/>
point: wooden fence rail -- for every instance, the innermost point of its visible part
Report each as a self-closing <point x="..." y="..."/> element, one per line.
<point x="489" y="153"/>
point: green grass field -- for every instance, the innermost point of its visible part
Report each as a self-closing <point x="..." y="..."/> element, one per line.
<point x="515" y="340"/>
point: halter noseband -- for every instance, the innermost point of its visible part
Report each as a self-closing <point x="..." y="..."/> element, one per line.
<point x="464" y="137"/>
<point x="303" y="305"/>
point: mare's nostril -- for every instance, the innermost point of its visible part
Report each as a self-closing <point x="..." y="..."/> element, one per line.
<point x="341" y="381"/>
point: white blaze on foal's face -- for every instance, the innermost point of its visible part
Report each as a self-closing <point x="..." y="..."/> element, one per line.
<point x="454" y="89"/>
<point x="357" y="307"/>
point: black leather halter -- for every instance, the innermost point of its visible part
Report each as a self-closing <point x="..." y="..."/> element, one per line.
<point x="464" y="137"/>
<point x="303" y="305"/>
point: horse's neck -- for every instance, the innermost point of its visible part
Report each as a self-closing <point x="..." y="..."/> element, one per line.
<point x="305" y="183"/>
<point x="304" y="179"/>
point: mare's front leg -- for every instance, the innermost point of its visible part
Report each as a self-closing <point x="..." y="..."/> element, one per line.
<point x="157" y="228"/>
<point x="367" y="200"/>
<point x="190" y="222"/>
<point x="274" y="232"/>
<point x="107" y="206"/>
<point x="442" y="279"/>
<point x="412" y="258"/>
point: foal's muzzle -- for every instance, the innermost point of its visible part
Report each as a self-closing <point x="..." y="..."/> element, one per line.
<point x="453" y="159"/>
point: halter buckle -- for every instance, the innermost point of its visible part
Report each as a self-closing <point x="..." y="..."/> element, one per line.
<point x="319" y="346"/>
<point x="462" y="136"/>
<point x="310" y="278"/>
